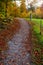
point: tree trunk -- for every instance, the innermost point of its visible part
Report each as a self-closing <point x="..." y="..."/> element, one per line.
<point x="40" y="26"/>
<point x="30" y="16"/>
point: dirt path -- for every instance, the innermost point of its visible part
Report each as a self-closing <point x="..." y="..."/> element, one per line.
<point x="17" y="53"/>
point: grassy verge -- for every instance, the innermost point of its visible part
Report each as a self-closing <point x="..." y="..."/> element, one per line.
<point x="36" y="24"/>
<point x="37" y="41"/>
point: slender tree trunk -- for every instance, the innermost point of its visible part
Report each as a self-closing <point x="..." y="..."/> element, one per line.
<point x="30" y="16"/>
<point x="40" y="26"/>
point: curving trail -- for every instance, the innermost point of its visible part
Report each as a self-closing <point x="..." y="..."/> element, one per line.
<point x="17" y="53"/>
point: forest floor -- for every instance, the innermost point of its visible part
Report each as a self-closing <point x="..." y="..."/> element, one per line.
<point x="19" y="45"/>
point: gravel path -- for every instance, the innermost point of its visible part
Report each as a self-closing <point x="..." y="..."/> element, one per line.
<point x="17" y="53"/>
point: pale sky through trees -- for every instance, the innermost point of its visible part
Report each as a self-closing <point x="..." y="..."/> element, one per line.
<point x="39" y="2"/>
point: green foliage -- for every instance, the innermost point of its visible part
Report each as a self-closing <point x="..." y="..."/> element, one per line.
<point x="37" y="41"/>
<point x="4" y="4"/>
